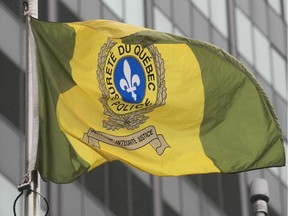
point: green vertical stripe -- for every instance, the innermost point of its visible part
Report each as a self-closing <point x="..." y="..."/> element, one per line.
<point x="239" y="130"/>
<point x="57" y="161"/>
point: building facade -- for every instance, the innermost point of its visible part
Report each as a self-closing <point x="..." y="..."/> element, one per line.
<point x="255" y="32"/>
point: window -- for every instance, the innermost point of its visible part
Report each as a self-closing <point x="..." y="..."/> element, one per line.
<point x="178" y="32"/>
<point x="90" y="10"/>
<point x="182" y="21"/>
<point x="171" y="192"/>
<point x="216" y="11"/>
<point x="8" y="195"/>
<point x="192" y="200"/>
<point x="259" y="15"/>
<point x="244" y="5"/>
<point x="10" y="38"/>
<point x="244" y="32"/>
<point x="262" y="55"/>
<point x="116" y="7"/>
<point x="134" y="12"/>
<point x="278" y="31"/>
<point x="219" y="16"/>
<point x="276" y="5"/>
<point x="280" y="74"/>
<point x="203" y="6"/>
<point x="129" y="11"/>
<point x="201" y="26"/>
<point x="285" y="169"/>
<point x="72" y="5"/>
<point x="161" y="22"/>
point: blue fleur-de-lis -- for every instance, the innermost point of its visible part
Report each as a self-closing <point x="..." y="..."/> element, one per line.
<point x="129" y="84"/>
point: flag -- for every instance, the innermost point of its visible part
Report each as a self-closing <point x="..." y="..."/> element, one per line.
<point x="165" y="104"/>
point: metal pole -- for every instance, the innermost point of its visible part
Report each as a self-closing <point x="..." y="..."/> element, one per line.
<point x="32" y="203"/>
<point x="259" y="197"/>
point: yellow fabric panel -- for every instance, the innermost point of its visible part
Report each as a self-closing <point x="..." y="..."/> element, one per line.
<point x="80" y="109"/>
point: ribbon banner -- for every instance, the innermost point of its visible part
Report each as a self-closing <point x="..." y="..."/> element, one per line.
<point x="134" y="141"/>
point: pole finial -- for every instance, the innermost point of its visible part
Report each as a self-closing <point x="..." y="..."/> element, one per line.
<point x="26" y="8"/>
<point x="259" y="196"/>
<point x="30" y="8"/>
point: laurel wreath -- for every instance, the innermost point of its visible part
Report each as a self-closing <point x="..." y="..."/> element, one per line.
<point x="134" y="119"/>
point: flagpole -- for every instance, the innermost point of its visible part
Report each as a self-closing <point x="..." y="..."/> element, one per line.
<point x="32" y="203"/>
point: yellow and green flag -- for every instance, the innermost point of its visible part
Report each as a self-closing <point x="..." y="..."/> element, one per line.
<point x="165" y="104"/>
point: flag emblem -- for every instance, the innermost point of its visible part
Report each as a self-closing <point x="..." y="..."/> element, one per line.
<point x="131" y="79"/>
<point x="130" y="83"/>
<point x="214" y="113"/>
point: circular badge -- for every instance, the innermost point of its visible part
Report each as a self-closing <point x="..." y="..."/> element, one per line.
<point x="131" y="79"/>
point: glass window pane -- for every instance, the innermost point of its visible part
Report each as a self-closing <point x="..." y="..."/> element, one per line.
<point x="219" y="40"/>
<point x="97" y="190"/>
<point x="191" y="199"/>
<point x="65" y="14"/>
<point x="281" y="110"/>
<point x="115" y="6"/>
<point x="210" y="185"/>
<point x="143" y="176"/>
<point x="278" y="32"/>
<point x="178" y="32"/>
<point x="259" y="15"/>
<point x="244" y="41"/>
<point x="280" y="73"/>
<point x="183" y="20"/>
<point x="262" y="55"/>
<point x="10" y="145"/>
<point x="284" y="170"/>
<point x="161" y="22"/>
<point x="13" y="6"/>
<point x="219" y="16"/>
<point x="134" y="12"/>
<point x="165" y="6"/>
<point x="201" y="26"/>
<point x="108" y="14"/>
<point x="231" y="194"/>
<point x="72" y="5"/>
<point x="90" y="10"/>
<point x="118" y="189"/>
<point x="203" y="6"/>
<point x="285" y="10"/>
<point x="70" y="200"/>
<point x="211" y="210"/>
<point x="12" y="92"/>
<point x="168" y="211"/>
<point x="276" y="5"/>
<point x="170" y="187"/>
<point x="10" y="38"/>
<point x="244" y="5"/>
<point x="91" y="208"/>
<point x="142" y="197"/>
<point x="7" y="196"/>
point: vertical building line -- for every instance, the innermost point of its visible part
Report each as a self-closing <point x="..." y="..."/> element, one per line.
<point x="130" y="193"/>
<point x="148" y="13"/>
<point x="52" y="10"/>
<point x="231" y="27"/>
<point x="157" y="196"/>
